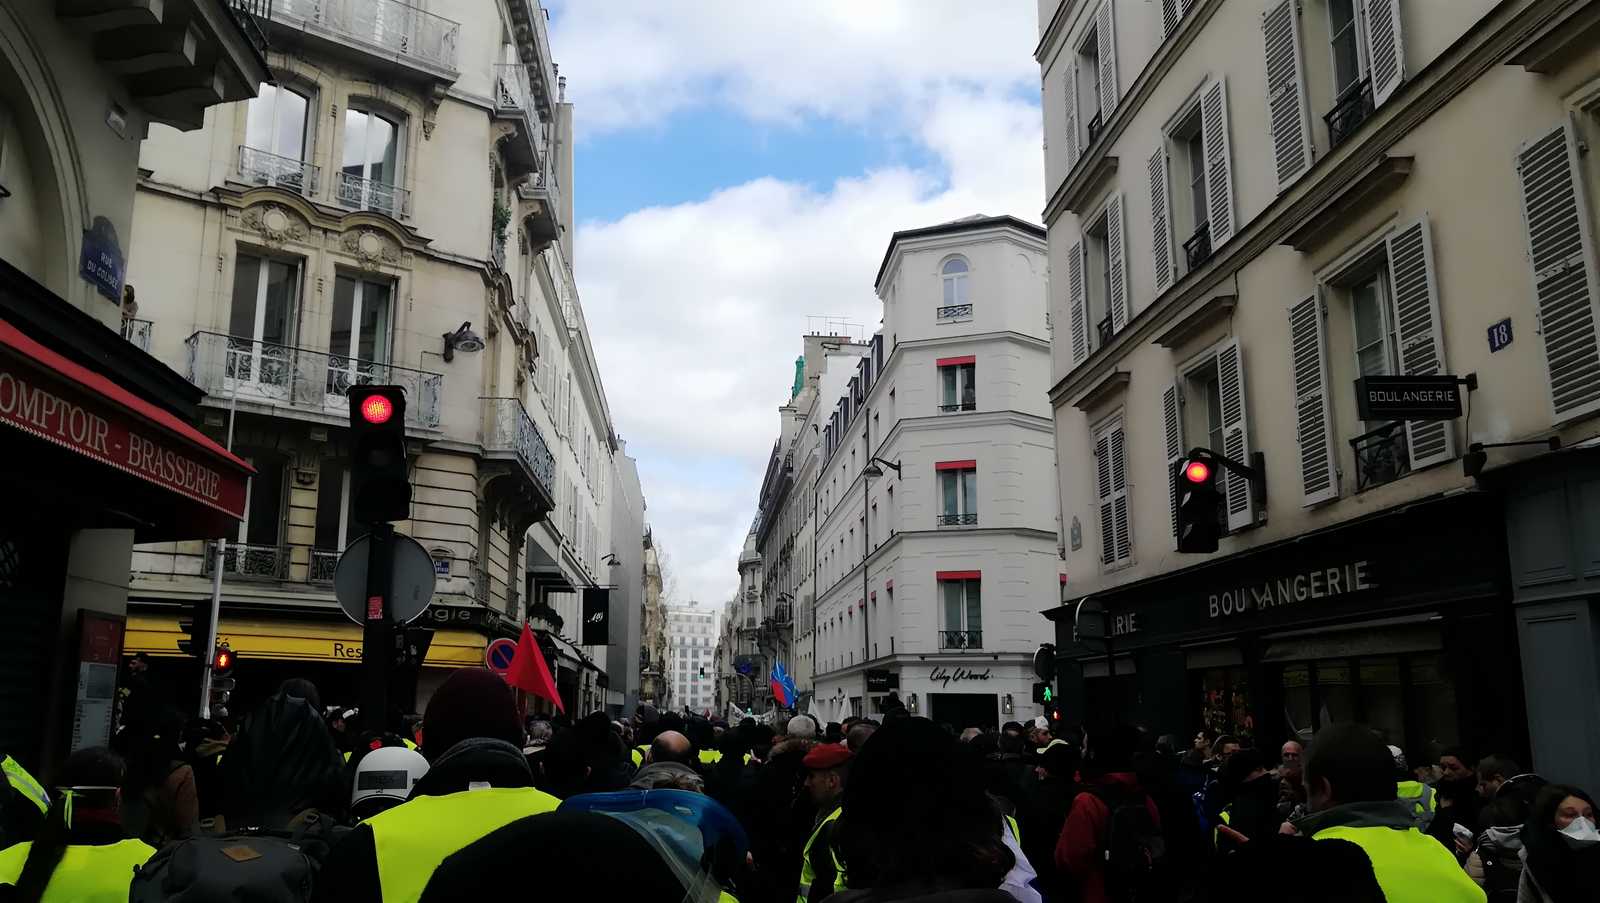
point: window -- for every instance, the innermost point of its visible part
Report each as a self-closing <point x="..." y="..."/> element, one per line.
<point x="1189" y="201"/>
<point x="962" y="623"/>
<point x="264" y="295"/>
<point x="275" y="139"/>
<point x="1211" y="389"/>
<point x="1346" y="45"/>
<point x="956" y="302"/>
<point x="358" y="336"/>
<point x="258" y="553"/>
<point x="370" y="167"/>
<point x="958" y="493"/>
<point x="958" y="392"/>
<point x="1111" y="485"/>
<point x="1088" y="65"/>
<point x="1199" y="207"/>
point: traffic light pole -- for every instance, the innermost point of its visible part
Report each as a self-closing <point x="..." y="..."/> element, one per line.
<point x="377" y="637"/>
<point x="208" y="657"/>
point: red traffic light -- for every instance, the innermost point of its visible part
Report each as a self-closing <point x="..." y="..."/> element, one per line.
<point x="377" y="409"/>
<point x="1197" y="471"/>
<point x="222" y="660"/>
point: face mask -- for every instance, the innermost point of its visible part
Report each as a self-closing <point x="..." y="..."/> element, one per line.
<point x="1581" y="832"/>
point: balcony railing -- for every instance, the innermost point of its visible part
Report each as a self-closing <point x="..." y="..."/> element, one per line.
<point x="246" y="560"/>
<point x="1382" y="455"/>
<point x="1349" y="112"/>
<point x="959" y="406"/>
<point x="512" y="429"/>
<point x="314" y="381"/>
<point x="1095" y="125"/>
<point x="394" y="29"/>
<point x="357" y="193"/>
<point x="249" y="14"/>
<point x="1197" y="250"/>
<point x="261" y="168"/>
<point x="323" y="563"/>
<point x="783" y="613"/>
<point x="970" y="519"/>
<point x="955" y="311"/>
<point x="512" y="92"/>
<point x="1103" y="330"/>
<point x="137" y="332"/>
<point x="960" y="639"/>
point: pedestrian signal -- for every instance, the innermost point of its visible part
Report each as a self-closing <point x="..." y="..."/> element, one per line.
<point x="222" y="661"/>
<point x="1042" y="693"/>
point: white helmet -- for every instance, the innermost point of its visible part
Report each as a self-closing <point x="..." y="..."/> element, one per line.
<point x="384" y="778"/>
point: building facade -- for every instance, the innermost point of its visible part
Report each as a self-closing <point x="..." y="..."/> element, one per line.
<point x="96" y="434"/>
<point x="935" y="542"/>
<point x="653" y="687"/>
<point x="1311" y="198"/>
<point x="691" y="672"/>
<point x="395" y="208"/>
<point x="627" y="578"/>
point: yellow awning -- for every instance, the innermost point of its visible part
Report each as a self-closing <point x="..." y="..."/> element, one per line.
<point x="299" y="641"/>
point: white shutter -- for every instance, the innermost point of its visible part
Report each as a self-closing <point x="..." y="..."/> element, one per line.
<point x="1308" y="359"/>
<point x="1102" y="474"/>
<point x="1561" y="254"/>
<point x="1160" y="220"/>
<point x="1186" y="5"/>
<point x="1418" y="330"/>
<point x="1077" y="304"/>
<point x="1107" y="51"/>
<point x="1286" y="100"/>
<point x="1172" y="430"/>
<point x="1117" y="261"/>
<point x="1119" y="496"/>
<point x="1385" y="63"/>
<point x="1219" y="162"/>
<point x="1235" y="435"/>
<point x="1171" y="14"/>
<point x="1072" y="110"/>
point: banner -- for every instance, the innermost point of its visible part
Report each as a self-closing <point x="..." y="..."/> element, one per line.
<point x="596" y="617"/>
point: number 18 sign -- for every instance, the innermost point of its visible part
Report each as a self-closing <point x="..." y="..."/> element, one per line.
<point x="1500" y="335"/>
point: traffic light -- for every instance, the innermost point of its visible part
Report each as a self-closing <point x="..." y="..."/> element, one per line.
<point x="1199" y="503"/>
<point x="196" y="629"/>
<point x="222" y="661"/>
<point x="1043" y="694"/>
<point x="1044" y="661"/>
<point x="221" y="692"/>
<point x="380" y="488"/>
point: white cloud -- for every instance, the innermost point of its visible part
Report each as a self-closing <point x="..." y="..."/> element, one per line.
<point x="697" y="309"/>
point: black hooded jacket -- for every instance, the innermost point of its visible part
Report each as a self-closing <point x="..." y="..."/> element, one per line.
<point x="282" y="763"/>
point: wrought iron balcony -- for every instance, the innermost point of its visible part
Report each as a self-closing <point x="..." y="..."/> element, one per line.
<point x="783" y="613"/>
<point x="960" y="639"/>
<point x="1197" y="250"/>
<point x="955" y="311"/>
<point x="511" y="429"/>
<point x="249" y="15"/>
<point x="323" y="564"/>
<point x="1349" y="112"/>
<point x="261" y="168"/>
<point x="1103" y="330"/>
<point x="245" y="560"/>
<point x="388" y="29"/>
<point x="357" y="193"/>
<point x="1382" y="455"/>
<point x="1095" y="126"/>
<point x="302" y="379"/>
<point x="970" y="519"/>
<point x="137" y="332"/>
<point x="960" y="406"/>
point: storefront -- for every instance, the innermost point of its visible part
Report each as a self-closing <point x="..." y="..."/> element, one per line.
<point x="966" y="689"/>
<point x="1400" y="620"/>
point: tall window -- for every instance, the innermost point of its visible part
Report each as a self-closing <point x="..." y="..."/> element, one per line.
<point x="1376" y="348"/>
<point x="275" y="138"/>
<point x="1346" y="45"/>
<point x="1207" y="416"/>
<point x="958" y="493"/>
<point x="1190" y="205"/>
<point x="358" y="337"/>
<point x="958" y="389"/>
<point x="962" y="625"/>
<point x="954" y="274"/>
<point x="1088" y="62"/>
<point x="264" y="295"/>
<point x="370" y="166"/>
<point x="1097" y="247"/>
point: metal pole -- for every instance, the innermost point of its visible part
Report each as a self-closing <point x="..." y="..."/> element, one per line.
<point x="866" y="550"/>
<point x="216" y="573"/>
<point x="377" y="637"/>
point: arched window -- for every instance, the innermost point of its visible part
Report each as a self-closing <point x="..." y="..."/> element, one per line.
<point x="954" y="273"/>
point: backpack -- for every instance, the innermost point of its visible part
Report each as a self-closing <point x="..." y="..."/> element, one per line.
<point x="1134" y="850"/>
<point x="259" y="865"/>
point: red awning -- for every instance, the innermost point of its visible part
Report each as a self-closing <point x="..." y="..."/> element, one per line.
<point x="54" y="399"/>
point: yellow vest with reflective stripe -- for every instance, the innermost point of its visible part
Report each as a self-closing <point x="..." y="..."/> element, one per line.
<point x="411" y="839"/>
<point x="809" y="874"/>
<point x="1411" y="867"/>
<point x="710" y="756"/>
<point x="24" y="783"/>
<point x="87" y="873"/>
<point x="1420" y="801"/>
<point x="638" y="754"/>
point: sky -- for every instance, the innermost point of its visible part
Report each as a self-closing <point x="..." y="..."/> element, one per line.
<point x="740" y="168"/>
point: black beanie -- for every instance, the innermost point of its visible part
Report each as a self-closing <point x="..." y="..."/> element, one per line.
<point x="472" y="702"/>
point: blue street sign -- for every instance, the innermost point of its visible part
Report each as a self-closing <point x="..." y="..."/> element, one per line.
<point x="499" y="654"/>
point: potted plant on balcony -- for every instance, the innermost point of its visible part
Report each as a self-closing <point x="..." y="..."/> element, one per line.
<point x="502" y="219"/>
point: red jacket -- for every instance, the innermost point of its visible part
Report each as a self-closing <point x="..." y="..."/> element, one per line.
<point x="1078" y="851"/>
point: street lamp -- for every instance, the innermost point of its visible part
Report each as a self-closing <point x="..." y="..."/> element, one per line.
<point x="868" y="473"/>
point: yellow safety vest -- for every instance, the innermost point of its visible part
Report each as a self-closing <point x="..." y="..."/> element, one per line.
<point x="87" y="873"/>
<point x="1420" y="800"/>
<point x="24" y="783"/>
<point x="710" y="756"/>
<point x="809" y="874"/>
<point x="1016" y="830"/>
<point x="1411" y="867"/>
<point x="414" y="837"/>
<point x="638" y="755"/>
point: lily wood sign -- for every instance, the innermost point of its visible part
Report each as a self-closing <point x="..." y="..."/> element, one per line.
<point x="1411" y="397"/>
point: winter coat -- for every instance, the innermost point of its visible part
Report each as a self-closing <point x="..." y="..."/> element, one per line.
<point x="1080" y="851"/>
<point x="1496" y="861"/>
<point x="1253" y="811"/>
<point x="1410" y="866"/>
<point x="282" y="762"/>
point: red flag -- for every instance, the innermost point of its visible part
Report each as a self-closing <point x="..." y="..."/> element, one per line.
<point x="529" y="672"/>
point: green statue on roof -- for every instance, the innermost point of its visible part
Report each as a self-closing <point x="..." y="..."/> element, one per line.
<point x="799" y="376"/>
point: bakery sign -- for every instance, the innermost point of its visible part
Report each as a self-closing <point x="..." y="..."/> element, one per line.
<point x="1314" y="585"/>
<point x="1408" y="397"/>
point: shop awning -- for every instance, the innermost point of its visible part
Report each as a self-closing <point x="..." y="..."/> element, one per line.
<point x="53" y="399"/>
<point x="299" y="641"/>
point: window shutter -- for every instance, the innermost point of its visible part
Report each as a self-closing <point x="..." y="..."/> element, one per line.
<point x="1418" y="331"/>
<point x="1102" y="473"/>
<point x="1561" y="254"/>
<point x="1172" y="428"/>
<point x="1119" y="496"/>
<point x="1077" y="304"/>
<point x="1286" y="102"/>
<point x="1385" y="64"/>
<point x="1308" y="359"/>
<point x="1160" y="220"/>
<point x="1186" y="4"/>
<point x="1107" y="50"/>
<point x="1117" y="260"/>
<point x="1170" y="16"/>
<point x="1219" y="162"/>
<point x="1072" y="111"/>
<point x="1235" y="434"/>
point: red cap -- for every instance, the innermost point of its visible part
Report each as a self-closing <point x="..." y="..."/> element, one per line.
<point x="826" y="755"/>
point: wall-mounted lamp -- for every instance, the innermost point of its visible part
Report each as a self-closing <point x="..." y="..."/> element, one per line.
<point x="463" y="339"/>
<point x="611" y="559"/>
<point x="1006" y="706"/>
<point x="874" y="471"/>
<point x="911" y="702"/>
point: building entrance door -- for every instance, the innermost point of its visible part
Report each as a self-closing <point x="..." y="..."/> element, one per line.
<point x="964" y="710"/>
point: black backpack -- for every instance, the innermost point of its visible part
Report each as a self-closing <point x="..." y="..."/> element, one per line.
<point x="258" y="865"/>
<point x="1134" y="851"/>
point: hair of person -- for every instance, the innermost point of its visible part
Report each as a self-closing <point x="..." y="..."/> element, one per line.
<point x="1498" y="764"/>
<point x="1011" y="743"/>
<point x="700" y="733"/>
<point x="661" y="750"/>
<point x="540" y="732"/>
<point x="1061" y="760"/>
<point x="1455" y="752"/>
<point x="1557" y="868"/>
<point x="1241" y="765"/>
<point x="1113" y="749"/>
<point x="1549" y="800"/>
<point x="1224" y="740"/>
<point x="915" y="814"/>
<point x="859" y="735"/>
<point x="984" y="744"/>
<point x="301" y="688"/>
<point x="1210" y="735"/>
<point x="1355" y="763"/>
<point x="801" y="727"/>
<point x="95" y="766"/>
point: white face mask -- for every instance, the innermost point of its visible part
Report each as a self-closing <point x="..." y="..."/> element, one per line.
<point x="1581" y="831"/>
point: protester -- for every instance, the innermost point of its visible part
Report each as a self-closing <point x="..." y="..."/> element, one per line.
<point x="858" y="736"/>
<point x="1252" y="793"/>
<point x="1493" y="772"/>
<point x="1055" y="786"/>
<point x="82" y="854"/>
<point x="1087" y="850"/>
<point x="801" y="727"/>
<point x="1458" y="798"/>
<point x="384" y="779"/>
<point x="160" y="799"/>
<point x="1285" y="869"/>
<point x="283" y="764"/>
<point x="1291" y="787"/>
<point x="1418" y="797"/>
<point x="1495" y="862"/>
<point x="821" y="872"/>
<point x="1561" y="848"/>
<point x="539" y="733"/>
